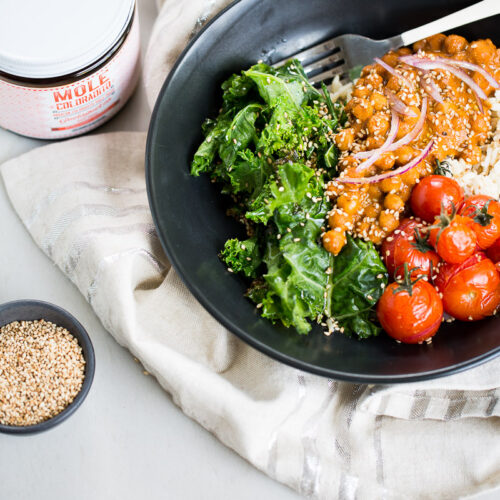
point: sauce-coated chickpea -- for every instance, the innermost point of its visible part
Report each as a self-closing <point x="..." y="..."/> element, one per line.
<point x="378" y="100"/>
<point x="334" y="241"/>
<point x="378" y="124"/>
<point x="435" y="42"/>
<point x="386" y="161"/>
<point x="405" y="154"/>
<point x="393" y="202"/>
<point x="390" y="184"/>
<point x="388" y="221"/>
<point x="350" y="203"/>
<point x="454" y="44"/>
<point x="345" y="139"/>
<point x="339" y="218"/>
<point x="362" y="110"/>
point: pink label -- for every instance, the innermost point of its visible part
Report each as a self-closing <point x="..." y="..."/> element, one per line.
<point x="76" y="108"/>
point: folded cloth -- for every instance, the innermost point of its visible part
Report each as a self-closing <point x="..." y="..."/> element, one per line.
<point x="84" y="202"/>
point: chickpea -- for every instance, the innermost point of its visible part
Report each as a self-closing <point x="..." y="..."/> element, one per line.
<point x="362" y="110"/>
<point x="405" y="127"/>
<point x="373" y="211"/>
<point x="390" y="184"/>
<point x="405" y="154"/>
<point x="334" y="241"/>
<point x="435" y="42"/>
<point x="374" y="142"/>
<point x="388" y="221"/>
<point x="404" y="51"/>
<point x="410" y="177"/>
<point x="374" y="192"/>
<point x="404" y="192"/>
<point x="394" y="202"/>
<point x="362" y="92"/>
<point x="391" y="58"/>
<point x="481" y="51"/>
<point x="394" y="83"/>
<point x="378" y="100"/>
<point x="420" y="45"/>
<point x="345" y="139"/>
<point x="386" y="161"/>
<point x="349" y="203"/>
<point x="446" y="107"/>
<point x="339" y="218"/>
<point x="454" y="44"/>
<point x="374" y="79"/>
<point x="378" y="124"/>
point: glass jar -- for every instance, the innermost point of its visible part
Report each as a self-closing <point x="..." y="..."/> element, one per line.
<point x="66" y="66"/>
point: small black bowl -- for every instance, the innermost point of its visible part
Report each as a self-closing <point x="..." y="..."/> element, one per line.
<point x="31" y="310"/>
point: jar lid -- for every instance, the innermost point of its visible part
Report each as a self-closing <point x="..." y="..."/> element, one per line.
<point x="40" y="39"/>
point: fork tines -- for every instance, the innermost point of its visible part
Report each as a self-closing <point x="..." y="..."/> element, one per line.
<point x="321" y="62"/>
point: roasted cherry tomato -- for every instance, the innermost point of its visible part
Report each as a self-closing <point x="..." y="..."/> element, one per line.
<point x="410" y="311"/>
<point x="453" y="238"/>
<point x="494" y="251"/>
<point x="432" y="194"/>
<point x="485" y="214"/>
<point x="409" y="244"/>
<point x="470" y="290"/>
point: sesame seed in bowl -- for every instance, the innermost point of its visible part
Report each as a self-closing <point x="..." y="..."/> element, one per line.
<point x="46" y="366"/>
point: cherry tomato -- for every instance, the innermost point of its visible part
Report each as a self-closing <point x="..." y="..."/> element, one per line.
<point x="494" y="251"/>
<point x="410" y="318"/>
<point x="470" y="290"/>
<point x="409" y="245"/>
<point x="432" y="193"/>
<point x="454" y="239"/>
<point x="485" y="219"/>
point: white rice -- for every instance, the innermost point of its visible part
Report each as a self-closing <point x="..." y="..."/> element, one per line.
<point x="483" y="178"/>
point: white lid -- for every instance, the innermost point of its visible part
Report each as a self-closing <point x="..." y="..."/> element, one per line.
<point x="52" y="38"/>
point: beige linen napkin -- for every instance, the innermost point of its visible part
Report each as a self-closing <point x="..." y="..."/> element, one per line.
<point x="84" y="202"/>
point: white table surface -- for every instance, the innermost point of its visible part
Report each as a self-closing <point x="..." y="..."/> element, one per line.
<point x="128" y="440"/>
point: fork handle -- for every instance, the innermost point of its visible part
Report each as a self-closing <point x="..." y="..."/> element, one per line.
<point x="480" y="10"/>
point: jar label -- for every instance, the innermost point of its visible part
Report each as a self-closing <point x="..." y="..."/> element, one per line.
<point x="73" y="109"/>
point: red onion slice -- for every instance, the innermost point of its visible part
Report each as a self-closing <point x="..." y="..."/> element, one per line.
<point x="392" y="173"/>
<point x="461" y="64"/>
<point x="430" y="64"/>
<point x="430" y="86"/>
<point x="398" y="105"/>
<point x="410" y="136"/>
<point x="392" y="71"/>
<point x="388" y="142"/>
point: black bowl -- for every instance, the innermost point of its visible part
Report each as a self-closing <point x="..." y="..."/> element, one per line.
<point x="189" y="213"/>
<point x="31" y="310"/>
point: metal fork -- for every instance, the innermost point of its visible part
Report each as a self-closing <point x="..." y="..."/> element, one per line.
<point x="338" y="55"/>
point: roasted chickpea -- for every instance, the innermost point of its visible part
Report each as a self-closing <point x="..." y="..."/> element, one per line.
<point x="374" y="79"/>
<point x="394" y="83"/>
<point x="435" y="42"/>
<point x="454" y="44"/>
<point x="481" y="124"/>
<point x="483" y="83"/>
<point x="378" y="100"/>
<point x="374" y="142"/>
<point x="405" y="154"/>
<point x="393" y="202"/>
<point x="345" y="139"/>
<point x="374" y="192"/>
<point x="386" y="161"/>
<point x="362" y="110"/>
<point x="373" y="210"/>
<point x="481" y="51"/>
<point x="339" y="218"/>
<point x="361" y="91"/>
<point x="390" y="184"/>
<point x="410" y="177"/>
<point x="378" y="124"/>
<point x="388" y="221"/>
<point x="404" y="192"/>
<point x="420" y="45"/>
<point x="334" y="241"/>
<point x="350" y="203"/>
<point x="391" y="58"/>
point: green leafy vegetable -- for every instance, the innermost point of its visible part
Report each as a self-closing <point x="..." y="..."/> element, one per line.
<point x="272" y="149"/>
